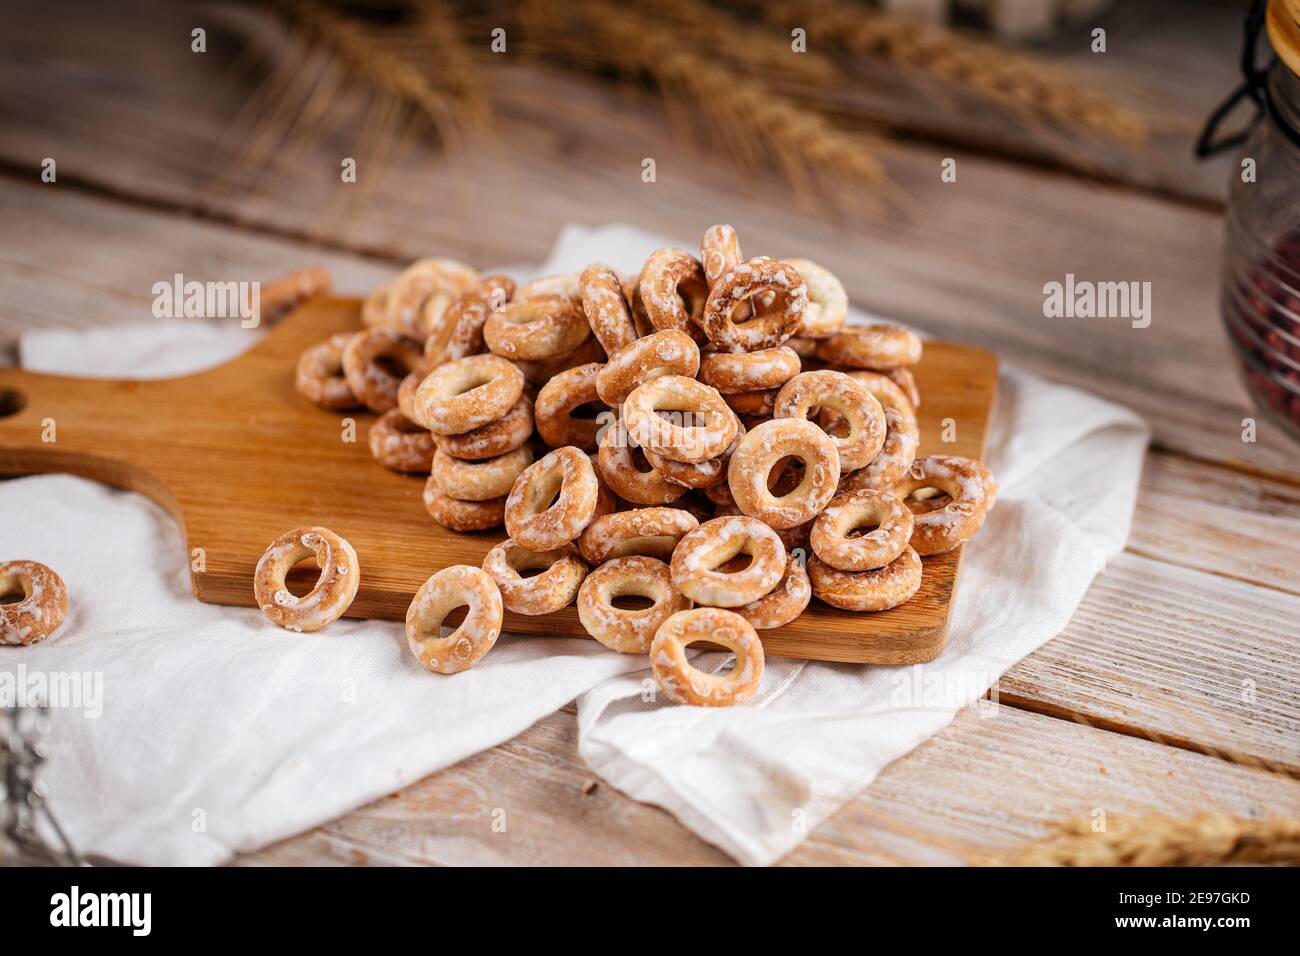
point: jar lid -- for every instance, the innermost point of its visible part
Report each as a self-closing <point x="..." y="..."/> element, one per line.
<point x="1284" y="31"/>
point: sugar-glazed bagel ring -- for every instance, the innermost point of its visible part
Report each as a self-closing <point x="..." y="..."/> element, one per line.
<point x="906" y="380"/>
<point x="541" y="371"/>
<point x="619" y="466"/>
<point x="364" y="365"/>
<point x="886" y="391"/>
<point x="762" y="450"/>
<point x="902" y="437"/>
<point x="480" y="480"/>
<point x="320" y="378"/>
<point x="701" y="552"/>
<point x="421" y="292"/>
<point x="696" y="474"/>
<point x="966" y="481"/>
<point x="328" y="600"/>
<point x="880" y="347"/>
<point x="669" y="352"/>
<point x="704" y="428"/>
<point x="685" y="684"/>
<point x="457" y="515"/>
<point x="42" y="608"/>
<point x="731" y="372"/>
<point x="876" y="590"/>
<point x="399" y="444"/>
<point x="532" y="519"/>
<point x="828" y="303"/>
<point x="537" y="328"/>
<point x="848" y="398"/>
<point x="740" y="284"/>
<point x="719" y="251"/>
<point x="557" y="401"/>
<point x="651" y="532"/>
<point x="496" y="437"/>
<point x="830" y="532"/>
<point x="628" y="631"/>
<point x="457" y="586"/>
<point x="758" y="404"/>
<point x="564" y="284"/>
<point x="557" y="585"/>
<point x="785" y="602"/>
<point x="673" y="289"/>
<point x="608" y="313"/>
<point x="466" y="394"/>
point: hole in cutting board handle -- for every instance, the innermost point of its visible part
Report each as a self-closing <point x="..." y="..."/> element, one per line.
<point x="12" y="402"/>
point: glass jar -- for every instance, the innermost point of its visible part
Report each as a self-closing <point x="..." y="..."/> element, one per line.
<point x="1260" y="299"/>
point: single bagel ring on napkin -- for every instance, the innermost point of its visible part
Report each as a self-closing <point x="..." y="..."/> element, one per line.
<point x="876" y="590"/>
<point x="319" y="377"/>
<point x="828" y="303"/>
<point x="457" y="586"/>
<point x="482" y="479"/>
<point x="373" y="384"/>
<point x="966" y="482"/>
<point x="562" y="573"/>
<point x="701" y="552"/>
<point x="649" y="532"/>
<point x="466" y="394"/>
<point x="672" y="279"/>
<point x="332" y="595"/>
<point x="532" y="519"/>
<point x="696" y="474"/>
<point x="606" y="307"/>
<point x="830" y="531"/>
<point x="684" y="684"/>
<point x="742" y="283"/>
<point x="628" y="631"/>
<point x="506" y="433"/>
<point x="669" y="352"/>
<point x="43" y="606"/>
<point x="850" y="400"/>
<point x="762" y="450"/>
<point x="618" y="466"/>
<point x="556" y="402"/>
<point x="457" y="515"/>
<point x="783" y="603"/>
<point x="902" y="436"/>
<point x="537" y="328"/>
<point x="719" y="251"/>
<point x="400" y="444"/>
<point x="731" y="372"/>
<point x="684" y="397"/>
<point x="879" y="347"/>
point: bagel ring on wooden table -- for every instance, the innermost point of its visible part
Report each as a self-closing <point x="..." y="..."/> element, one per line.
<point x="457" y="586"/>
<point x="606" y="307"/>
<point x="719" y="251"/>
<point x="879" y="347"/>
<point x="902" y="437"/>
<point x="466" y="394"/>
<point x="684" y="684"/>
<point x="562" y="572"/>
<point x="966" y="482"/>
<point x="732" y="372"/>
<point x="41" y="609"/>
<point x="505" y="434"/>
<point x="673" y="290"/>
<point x="875" y="590"/>
<point x="400" y="444"/>
<point x="850" y="400"/>
<point x="701" y="552"/>
<point x="669" y="352"/>
<point x="892" y="523"/>
<point x="482" y="479"/>
<point x="680" y="397"/>
<point x="695" y="474"/>
<point x="785" y="602"/>
<point x="457" y="515"/>
<point x="319" y="377"/>
<point x="335" y="587"/>
<point x="617" y="460"/>
<point x="828" y="303"/>
<point x="565" y="477"/>
<point x="559" y="398"/>
<point x="366" y="358"/>
<point x="741" y="284"/>
<point x="762" y="450"/>
<point x="537" y="328"/>
<point x="650" y="532"/>
<point x="420" y="292"/>
<point x="626" y="630"/>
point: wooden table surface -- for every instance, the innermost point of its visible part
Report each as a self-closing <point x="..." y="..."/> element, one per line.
<point x="1176" y="687"/>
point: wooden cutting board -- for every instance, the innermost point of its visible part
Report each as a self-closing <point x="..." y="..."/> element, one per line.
<point x="238" y="457"/>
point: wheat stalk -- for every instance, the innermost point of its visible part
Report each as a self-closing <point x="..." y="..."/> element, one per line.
<point x="1207" y="839"/>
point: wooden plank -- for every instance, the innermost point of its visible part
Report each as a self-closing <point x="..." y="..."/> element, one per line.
<point x="976" y="787"/>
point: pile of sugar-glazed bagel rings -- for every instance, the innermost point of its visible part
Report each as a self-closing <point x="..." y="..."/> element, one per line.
<point x="684" y="436"/>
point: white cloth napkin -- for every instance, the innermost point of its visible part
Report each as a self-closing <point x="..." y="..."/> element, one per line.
<point x="213" y="732"/>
